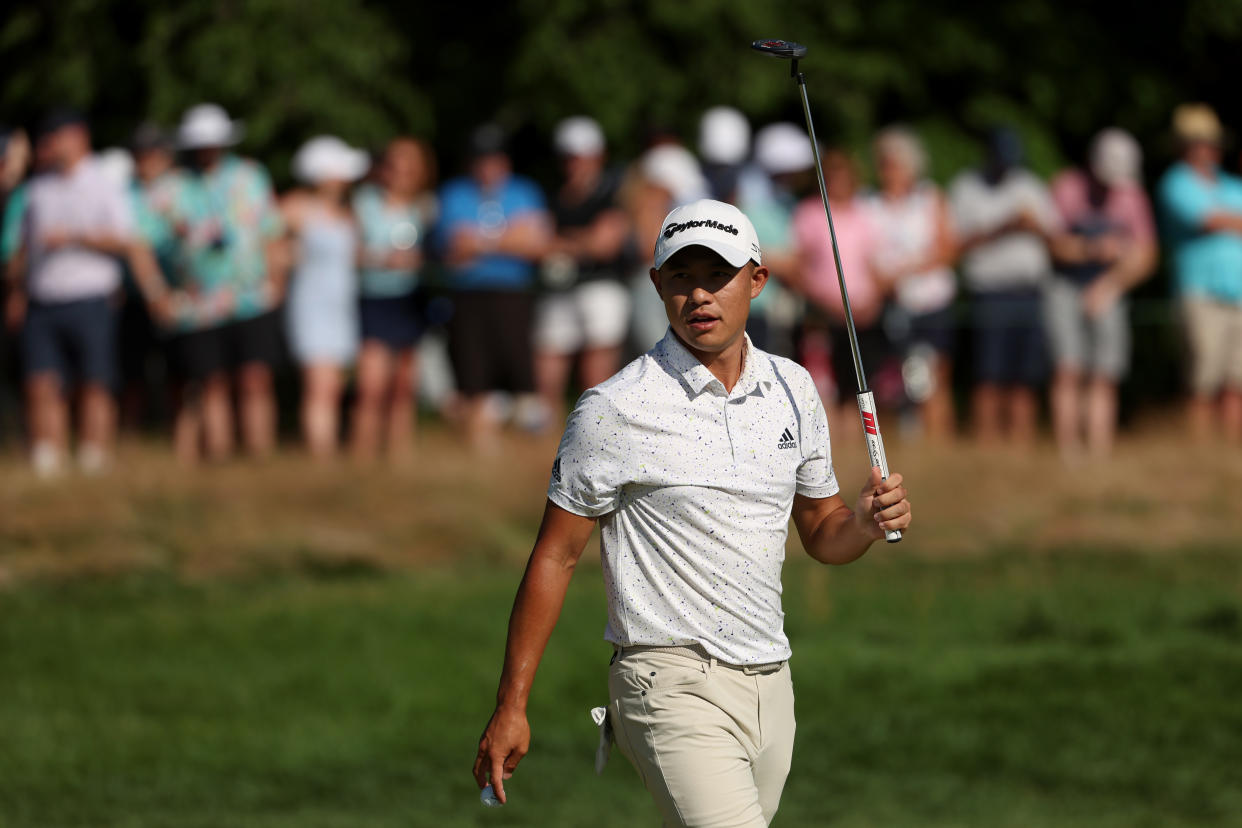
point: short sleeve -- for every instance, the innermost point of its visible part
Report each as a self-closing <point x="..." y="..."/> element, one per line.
<point x="1186" y="202"/>
<point x="1136" y="211"/>
<point x="816" y="476"/>
<point x="455" y="210"/>
<point x="527" y="197"/>
<point x="590" y="466"/>
<point x="14" y="219"/>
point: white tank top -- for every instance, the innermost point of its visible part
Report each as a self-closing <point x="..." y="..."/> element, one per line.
<point x="907" y="232"/>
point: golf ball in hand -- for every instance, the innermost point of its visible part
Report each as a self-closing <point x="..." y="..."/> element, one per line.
<point x="488" y="797"/>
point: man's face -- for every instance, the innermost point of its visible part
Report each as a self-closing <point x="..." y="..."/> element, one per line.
<point x="582" y="168"/>
<point x="152" y="163"/>
<point x="206" y="157"/>
<point x="491" y="170"/>
<point x="1203" y="154"/>
<point x="706" y="298"/>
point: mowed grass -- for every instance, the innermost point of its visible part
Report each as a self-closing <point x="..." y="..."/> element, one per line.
<point x="291" y="645"/>
<point x="1012" y="690"/>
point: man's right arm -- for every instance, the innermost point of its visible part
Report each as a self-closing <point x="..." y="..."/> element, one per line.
<point x="506" y="739"/>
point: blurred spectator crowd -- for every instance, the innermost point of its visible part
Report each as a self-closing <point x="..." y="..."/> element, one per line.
<point x="170" y="275"/>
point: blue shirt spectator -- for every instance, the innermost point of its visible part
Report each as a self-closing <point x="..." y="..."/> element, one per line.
<point x="464" y="205"/>
<point x="1207" y="264"/>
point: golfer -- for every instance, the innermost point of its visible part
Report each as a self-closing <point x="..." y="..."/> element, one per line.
<point x="692" y="459"/>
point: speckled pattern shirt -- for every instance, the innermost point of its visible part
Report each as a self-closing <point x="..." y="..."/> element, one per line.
<point x="693" y="486"/>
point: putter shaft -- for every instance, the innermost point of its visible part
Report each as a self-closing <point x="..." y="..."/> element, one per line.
<point x="859" y="374"/>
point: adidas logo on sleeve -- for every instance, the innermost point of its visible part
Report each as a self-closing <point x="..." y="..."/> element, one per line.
<point x="787" y="441"/>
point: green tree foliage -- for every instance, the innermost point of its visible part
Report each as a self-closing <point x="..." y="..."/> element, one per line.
<point x="1057" y="69"/>
<point x="290" y="68"/>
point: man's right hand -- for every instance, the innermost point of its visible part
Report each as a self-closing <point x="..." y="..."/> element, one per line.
<point x="506" y="739"/>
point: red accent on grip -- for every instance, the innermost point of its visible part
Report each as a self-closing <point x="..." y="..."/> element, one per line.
<point x="869" y="423"/>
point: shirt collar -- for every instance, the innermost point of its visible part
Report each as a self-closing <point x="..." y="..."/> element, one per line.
<point x="756" y="371"/>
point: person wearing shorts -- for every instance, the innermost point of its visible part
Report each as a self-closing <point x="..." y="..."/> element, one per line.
<point x="75" y="227"/>
<point x="394" y="215"/>
<point x="231" y="262"/>
<point x="584" y="308"/>
<point x="1202" y="206"/>
<point x="1106" y="248"/>
<point x="1004" y="216"/>
<point x="692" y="460"/>
<point x="914" y="258"/>
<point x="492" y="229"/>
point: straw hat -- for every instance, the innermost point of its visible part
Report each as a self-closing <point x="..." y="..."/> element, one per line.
<point x="1197" y="123"/>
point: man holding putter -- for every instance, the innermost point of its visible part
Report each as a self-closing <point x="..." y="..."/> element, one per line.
<point x="692" y="459"/>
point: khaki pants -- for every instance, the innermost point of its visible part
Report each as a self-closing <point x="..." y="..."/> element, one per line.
<point x="711" y="742"/>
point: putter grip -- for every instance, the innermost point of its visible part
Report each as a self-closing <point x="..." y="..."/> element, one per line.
<point x="875" y="446"/>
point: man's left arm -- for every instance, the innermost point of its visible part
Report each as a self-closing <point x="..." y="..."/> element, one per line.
<point x="832" y="533"/>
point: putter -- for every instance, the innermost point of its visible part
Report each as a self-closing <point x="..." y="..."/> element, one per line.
<point x="793" y="52"/>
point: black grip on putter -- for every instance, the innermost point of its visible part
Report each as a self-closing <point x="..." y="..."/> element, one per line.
<point x="780" y="48"/>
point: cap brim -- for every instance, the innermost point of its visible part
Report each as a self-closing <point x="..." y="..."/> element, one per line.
<point x="735" y="256"/>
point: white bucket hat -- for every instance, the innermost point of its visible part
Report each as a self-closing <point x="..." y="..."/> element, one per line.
<point x="724" y="136"/>
<point x="783" y="148"/>
<point x="715" y="225"/>
<point x="579" y="136"/>
<point x="207" y="125"/>
<point x="328" y="158"/>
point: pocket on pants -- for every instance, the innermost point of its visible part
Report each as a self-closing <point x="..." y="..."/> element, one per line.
<point x="654" y="674"/>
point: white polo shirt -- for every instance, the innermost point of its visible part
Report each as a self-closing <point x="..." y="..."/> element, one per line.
<point x="693" y="486"/>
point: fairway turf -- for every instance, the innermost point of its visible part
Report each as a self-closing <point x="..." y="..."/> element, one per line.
<point x="1014" y="689"/>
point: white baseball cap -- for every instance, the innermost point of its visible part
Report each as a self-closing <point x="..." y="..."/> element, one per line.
<point x="207" y="125"/>
<point x="676" y="170"/>
<point x="724" y="136"/>
<point x="328" y="158"/>
<point x="715" y="225"/>
<point x="579" y="136"/>
<point x="783" y="148"/>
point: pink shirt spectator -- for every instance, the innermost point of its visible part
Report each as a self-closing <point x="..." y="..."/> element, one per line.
<point x="1126" y="206"/>
<point x="857" y="239"/>
<point x="84" y="201"/>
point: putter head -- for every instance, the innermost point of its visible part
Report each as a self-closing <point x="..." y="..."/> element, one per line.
<point x="780" y="48"/>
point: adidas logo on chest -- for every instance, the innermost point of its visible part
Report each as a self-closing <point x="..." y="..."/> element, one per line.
<point x="786" y="441"/>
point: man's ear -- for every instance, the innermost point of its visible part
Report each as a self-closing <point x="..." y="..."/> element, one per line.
<point x="655" y="280"/>
<point x="758" y="279"/>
